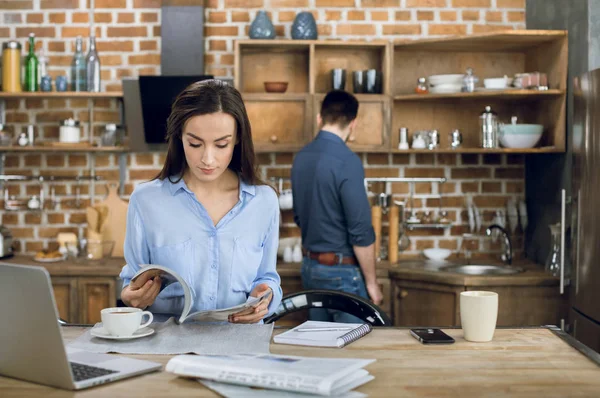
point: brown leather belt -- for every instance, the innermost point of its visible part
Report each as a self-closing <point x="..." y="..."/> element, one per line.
<point x="330" y="258"/>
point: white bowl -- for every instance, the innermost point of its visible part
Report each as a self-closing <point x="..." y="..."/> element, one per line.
<point x="435" y="80"/>
<point x="520" y="135"/>
<point x="445" y="89"/>
<point x="437" y="254"/>
<point x="497" y="83"/>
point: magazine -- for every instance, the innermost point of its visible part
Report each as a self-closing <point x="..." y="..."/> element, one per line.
<point x="169" y="276"/>
<point x="321" y="376"/>
<point x="237" y="391"/>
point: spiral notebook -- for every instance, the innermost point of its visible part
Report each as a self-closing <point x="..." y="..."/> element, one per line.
<point x="324" y="334"/>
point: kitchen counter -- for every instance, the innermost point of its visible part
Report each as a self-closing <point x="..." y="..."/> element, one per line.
<point x="69" y="267"/>
<point x="533" y="362"/>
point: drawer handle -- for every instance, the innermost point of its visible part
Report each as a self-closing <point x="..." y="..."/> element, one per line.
<point x="402" y="294"/>
<point x="274" y="138"/>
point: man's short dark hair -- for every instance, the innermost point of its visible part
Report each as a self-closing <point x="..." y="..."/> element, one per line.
<point x="339" y="108"/>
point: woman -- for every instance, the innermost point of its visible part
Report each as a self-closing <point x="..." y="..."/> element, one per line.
<point x="206" y="215"/>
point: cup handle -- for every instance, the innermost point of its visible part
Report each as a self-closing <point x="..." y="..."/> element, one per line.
<point x="150" y="318"/>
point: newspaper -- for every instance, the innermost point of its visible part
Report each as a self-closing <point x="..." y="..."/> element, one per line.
<point x="235" y="391"/>
<point x="321" y="376"/>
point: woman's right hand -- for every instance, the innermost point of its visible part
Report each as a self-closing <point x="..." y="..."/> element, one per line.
<point x="142" y="296"/>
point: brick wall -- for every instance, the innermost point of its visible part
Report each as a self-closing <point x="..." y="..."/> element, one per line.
<point x="128" y="34"/>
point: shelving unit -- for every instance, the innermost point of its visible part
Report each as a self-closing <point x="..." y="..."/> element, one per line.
<point x="90" y="150"/>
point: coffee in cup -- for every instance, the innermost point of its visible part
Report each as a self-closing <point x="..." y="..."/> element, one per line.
<point x="478" y="315"/>
<point x="124" y="321"/>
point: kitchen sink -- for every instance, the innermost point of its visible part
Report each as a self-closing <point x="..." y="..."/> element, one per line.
<point x="477" y="269"/>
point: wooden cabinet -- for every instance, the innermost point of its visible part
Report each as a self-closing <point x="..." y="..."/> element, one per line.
<point x="425" y="304"/>
<point x="65" y="295"/>
<point x="94" y="295"/>
<point x="386" y="291"/>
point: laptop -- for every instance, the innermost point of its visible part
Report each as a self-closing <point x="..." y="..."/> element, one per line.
<point x="31" y="345"/>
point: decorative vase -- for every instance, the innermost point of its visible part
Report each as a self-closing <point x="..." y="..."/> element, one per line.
<point x="304" y="27"/>
<point x="261" y="27"/>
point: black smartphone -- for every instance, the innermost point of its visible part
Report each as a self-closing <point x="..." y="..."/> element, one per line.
<point x="431" y="336"/>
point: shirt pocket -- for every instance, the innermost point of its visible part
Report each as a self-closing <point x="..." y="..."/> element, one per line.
<point x="246" y="259"/>
<point x="180" y="258"/>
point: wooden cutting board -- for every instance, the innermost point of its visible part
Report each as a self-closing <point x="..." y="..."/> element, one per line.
<point x="116" y="219"/>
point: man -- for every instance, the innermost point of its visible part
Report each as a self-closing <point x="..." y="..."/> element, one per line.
<point x="332" y="210"/>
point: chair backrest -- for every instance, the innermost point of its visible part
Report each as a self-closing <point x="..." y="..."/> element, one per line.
<point x="334" y="300"/>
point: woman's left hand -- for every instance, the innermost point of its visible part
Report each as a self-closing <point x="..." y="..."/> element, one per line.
<point x="254" y="315"/>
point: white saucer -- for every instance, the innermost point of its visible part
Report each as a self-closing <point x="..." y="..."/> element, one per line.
<point x="103" y="334"/>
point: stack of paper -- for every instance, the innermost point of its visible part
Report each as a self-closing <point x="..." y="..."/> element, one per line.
<point x="301" y="375"/>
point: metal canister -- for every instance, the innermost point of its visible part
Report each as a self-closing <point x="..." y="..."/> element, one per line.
<point x="11" y="66"/>
<point x="488" y="128"/>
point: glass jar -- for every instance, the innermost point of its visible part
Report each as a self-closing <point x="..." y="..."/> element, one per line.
<point x="469" y="81"/>
<point x="11" y="67"/>
<point x="109" y="136"/>
<point x="421" y="86"/>
<point x="553" y="260"/>
<point x="488" y="128"/>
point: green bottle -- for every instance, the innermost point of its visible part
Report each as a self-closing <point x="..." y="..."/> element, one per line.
<point x="31" y="67"/>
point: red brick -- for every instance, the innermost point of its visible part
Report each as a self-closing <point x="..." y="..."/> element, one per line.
<point x="424" y="172"/>
<point x="10" y="218"/>
<point x="470" y="15"/>
<point x="509" y="173"/>
<point x="449" y="29"/>
<point x="133" y="31"/>
<point x="59" y="4"/>
<point x="221" y="31"/>
<point x="217" y="45"/>
<point x="491" y="187"/>
<point x="471" y="173"/>
<point x="355" y="29"/>
<point x="99" y="4"/>
<point x="381" y="172"/>
<point x="16" y="4"/>
<point x="510" y="3"/>
<point x="402" y="16"/>
<point x="425" y="15"/>
<point x="356" y="15"/>
<point x="377" y="158"/>
<point x="472" y="3"/>
<point x="447" y="15"/>
<point x="516" y="16"/>
<point x="145" y="59"/>
<point x="126" y="17"/>
<point x="333" y="15"/>
<point x="80" y="17"/>
<point x="227" y="59"/>
<point x="244" y="3"/>
<point x="147" y="3"/>
<point x="380" y="3"/>
<point x="401" y="29"/>
<point x="149" y="17"/>
<point x="515" y="187"/>
<point x="70" y="31"/>
<point x="22" y="232"/>
<point x="241" y="16"/>
<point x="324" y="30"/>
<point x="400" y="158"/>
<point x="114" y="46"/>
<point x="469" y="187"/>
<point x="217" y="17"/>
<point x="38" y="31"/>
<point x="334" y="3"/>
<point x="144" y="175"/>
<point x="490" y="28"/>
<point x="33" y="218"/>
<point x="425" y="3"/>
<point x="55" y="160"/>
<point x="102" y="17"/>
<point x="144" y="159"/>
<point x="35" y="18"/>
<point x="289" y="3"/>
<point x="380" y="16"/>
<point x="77" y="218"/>
<point x="493" y="16"/>
<point x="425" y="158"/>
<point x="148" y="45"/>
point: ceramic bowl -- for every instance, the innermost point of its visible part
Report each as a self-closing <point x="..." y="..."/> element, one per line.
<point x="497" y="83"/>
<point x="520" y="135"/>
<point x="437" y="254"/>
<point x="276" y="87"/>
<point x="436" y="80"/>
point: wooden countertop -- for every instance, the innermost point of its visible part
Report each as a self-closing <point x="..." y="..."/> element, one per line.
<point x="69" y="267"/>
<point x="517" y="363"/>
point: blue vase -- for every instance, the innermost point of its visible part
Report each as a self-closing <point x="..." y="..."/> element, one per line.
<point x="304" y="27"/>
<point x="261" y="27"/>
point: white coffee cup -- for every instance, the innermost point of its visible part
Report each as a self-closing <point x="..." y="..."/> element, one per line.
<point x="478" y="315"/>
<point x="124" y="321"/>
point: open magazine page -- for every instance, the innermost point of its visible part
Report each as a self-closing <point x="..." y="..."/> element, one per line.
<point x="223" y="314"/>
<point x="237" y="391"/>
<point x="320" y="376"/>
<point x="168" y="276"/>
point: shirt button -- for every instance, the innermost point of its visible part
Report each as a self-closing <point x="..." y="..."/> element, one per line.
<point x="212" y="234"/>
<point x="212" y="297"/>
<point x="214" y="265"/>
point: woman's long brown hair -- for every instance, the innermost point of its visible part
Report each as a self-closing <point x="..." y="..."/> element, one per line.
<point x="203" y="98"/>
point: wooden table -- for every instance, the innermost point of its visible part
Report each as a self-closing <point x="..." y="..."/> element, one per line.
<point x="535" y="362"/>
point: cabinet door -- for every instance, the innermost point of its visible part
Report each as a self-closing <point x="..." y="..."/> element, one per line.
<point x="94" y="295"/>
<point x="386" y="290"/>
<point x="280" y="122"/>
<point x="65" y="295"/>
<point x="527" y="305"/>
<point x="425" y="304"/>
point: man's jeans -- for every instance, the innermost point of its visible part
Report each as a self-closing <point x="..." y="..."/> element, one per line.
<point x="345" y="278"/>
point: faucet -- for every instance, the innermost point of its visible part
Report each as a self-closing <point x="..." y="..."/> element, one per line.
<point x="507" y="256"/>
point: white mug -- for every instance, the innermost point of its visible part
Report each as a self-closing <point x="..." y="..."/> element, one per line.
<point x="478" y="315"/>
<point x="124" y="321"/>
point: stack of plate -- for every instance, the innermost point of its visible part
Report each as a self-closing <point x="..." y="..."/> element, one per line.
<point x="445" y="84"/>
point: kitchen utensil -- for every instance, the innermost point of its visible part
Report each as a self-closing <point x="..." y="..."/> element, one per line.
<point x="421" y="87"/>
<point x="100" y="249"/>
<point x="394" y="222"/>
<point x="520" y="135"/>
<point x="373" y="81"/>
<point x="404" y="241"/>
<point x="297" y="254"/>
<point x="30" y="134"/>
<point x="288" y="254"/>
<point x="478" y="315"/>
<point x="513" y="214"/>
<point x="69" y="131"/>
<point x="92" y="218"/>
<point x="358" y="80"/>
<point x="376" y="219"/>
<point x="116" y="219"/>
<point x="497" y="83"/>
<point x="276" y="87"/>
<point x="434" y="140"/>
<point x="523" y="215"/>
<point x="418" y="141"/>
<point x="6" y="242"/>
<point x="403" y="144"/>
<point x="488" y="128"/>
<point x="437" y="254"/>
<point x="338" y="79"/>
<point x="553" y="261"/>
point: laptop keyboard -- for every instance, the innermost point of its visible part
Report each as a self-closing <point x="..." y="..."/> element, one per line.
<point x="84" y="372"/>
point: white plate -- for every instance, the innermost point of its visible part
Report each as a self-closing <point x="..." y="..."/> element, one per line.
<point x="50" y="260"/>
<point x="445" y="90"/>
<point x="99" y="331"/>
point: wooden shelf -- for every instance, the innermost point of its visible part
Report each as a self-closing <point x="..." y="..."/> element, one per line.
<point x="504" y="94"/>
<point x="46" y="149"/>
<point x="275" y="96"/>
<point x="504" y="41"/>
<point x="360" y="97"/>
<point x="62" y="94"/>
<point x="549" y="149"/>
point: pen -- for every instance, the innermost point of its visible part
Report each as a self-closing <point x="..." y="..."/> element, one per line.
<point x="321" y="329"/>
